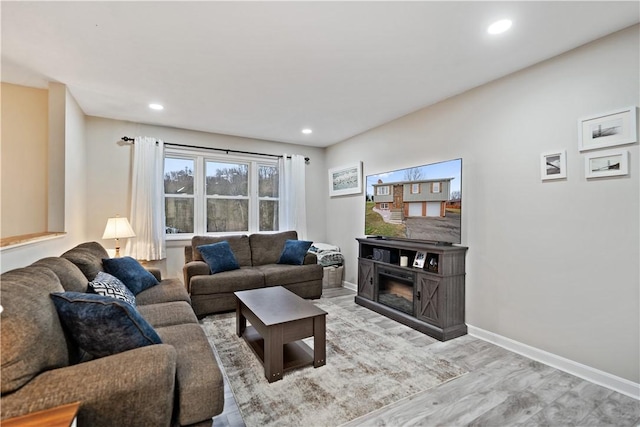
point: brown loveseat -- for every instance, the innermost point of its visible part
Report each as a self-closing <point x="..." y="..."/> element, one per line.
<point x="177" y="382"/>
<point x="257" y="255"/>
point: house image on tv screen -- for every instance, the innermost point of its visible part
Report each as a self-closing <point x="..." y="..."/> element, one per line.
<point x="422" y="198"/>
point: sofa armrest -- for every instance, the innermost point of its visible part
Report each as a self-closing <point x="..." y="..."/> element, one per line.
<point x="188" y="254"/>
<point x="156" y="273"/>
<point x="133" y="388"/>
<point x="310" y="258"/>
<point x="194" y="268"/>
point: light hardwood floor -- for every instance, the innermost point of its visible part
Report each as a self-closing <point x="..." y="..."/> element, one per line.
<point x="501" y="389"/>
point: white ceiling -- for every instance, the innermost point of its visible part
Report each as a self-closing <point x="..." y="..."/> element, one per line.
<point x="269" y="69"/>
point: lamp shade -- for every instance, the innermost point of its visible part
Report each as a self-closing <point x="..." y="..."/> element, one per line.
<point x="118" y="228"/>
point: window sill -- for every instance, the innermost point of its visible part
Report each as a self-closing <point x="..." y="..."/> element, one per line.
<point x="28" y="239"/>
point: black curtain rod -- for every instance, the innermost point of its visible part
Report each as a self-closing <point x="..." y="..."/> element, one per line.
<point x="226" y="150"/>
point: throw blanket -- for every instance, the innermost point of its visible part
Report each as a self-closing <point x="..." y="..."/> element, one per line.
<point x="327" y="254"/>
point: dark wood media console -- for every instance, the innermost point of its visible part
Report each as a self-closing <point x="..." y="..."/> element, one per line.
<point x="430" y="299"/>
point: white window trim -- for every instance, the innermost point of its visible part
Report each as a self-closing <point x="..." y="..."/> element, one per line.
<point x="382" y="193"/>
<point x="200" y="158"/>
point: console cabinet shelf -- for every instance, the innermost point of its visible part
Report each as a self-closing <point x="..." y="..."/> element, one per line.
<point x="430" y="299"/>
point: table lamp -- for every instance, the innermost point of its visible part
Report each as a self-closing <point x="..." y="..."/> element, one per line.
<point x="118" y="228"/>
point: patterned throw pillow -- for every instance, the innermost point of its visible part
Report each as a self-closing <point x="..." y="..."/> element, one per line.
<point x="103" y="325"/>
<point x="109" y="286"/>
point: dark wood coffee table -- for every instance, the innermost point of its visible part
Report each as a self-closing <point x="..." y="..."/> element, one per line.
<point x="279" y="321"/>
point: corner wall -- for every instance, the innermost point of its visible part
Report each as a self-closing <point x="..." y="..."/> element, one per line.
<point x="553" y="265"/>
<point x="24" y="160"/>
<point x="71" y="199"/>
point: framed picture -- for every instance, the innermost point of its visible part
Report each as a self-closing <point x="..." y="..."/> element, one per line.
<point x="345" y="180"/>
<point x="553" y="165"/>
<point x="606" y="163"/>
<point x="608" y="129"/>
<point x="418" y="261"/>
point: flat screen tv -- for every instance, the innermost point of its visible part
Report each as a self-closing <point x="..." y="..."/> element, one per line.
<point x="417" y="203"/>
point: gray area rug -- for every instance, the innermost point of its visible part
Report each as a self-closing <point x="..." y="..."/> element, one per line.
<point x="368" y="366"/>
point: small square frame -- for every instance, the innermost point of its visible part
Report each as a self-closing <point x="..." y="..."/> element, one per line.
<point x="345" y="180"/>
<point x="418" y="261"/>
<point x="606" y="163"/>
<point x="553" y="165"/>
<point x="608" y="129"/>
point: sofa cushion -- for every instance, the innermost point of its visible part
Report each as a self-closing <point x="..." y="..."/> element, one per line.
<point x="294" y="252"/>
<point x="219" y="257"/>
<point x="239" y="245"/>
<point x="86" y="260"/>
<point x="227" y="281"/>
<point x="168" y="313"/>
<point x="32" y="339"/>
<point x="109" y="286"/>
<point x="132" y="274"/>
<point x="95" y="248"/>
<point x="70" y="276"/>
<point x="282" y="274"/>
<point x="266" y="248"/>
<point x="168" y="290"/>
<point x="199" y="383"/>
<point x="103" y="325"/>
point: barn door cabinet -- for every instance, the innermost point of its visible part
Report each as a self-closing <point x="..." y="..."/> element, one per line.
<point x="438" y="288"/>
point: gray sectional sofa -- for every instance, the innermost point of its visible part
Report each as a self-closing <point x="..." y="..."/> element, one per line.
<point x="177" y="382"/>
<point x="257" y="254"/>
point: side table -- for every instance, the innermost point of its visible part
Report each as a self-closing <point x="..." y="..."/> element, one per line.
<point x="60" y="416"/>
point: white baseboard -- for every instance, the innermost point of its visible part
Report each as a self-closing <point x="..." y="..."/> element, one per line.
<point x="585" y="372"/>
<point x="351" y="286"/>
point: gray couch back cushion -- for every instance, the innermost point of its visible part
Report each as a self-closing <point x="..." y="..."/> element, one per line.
<point x="70" y="276"/>
<point x="31" y="338"/>
<point x="266" y="248"/>
<point x="88" y="258"/>
<point x="239" y="245"/>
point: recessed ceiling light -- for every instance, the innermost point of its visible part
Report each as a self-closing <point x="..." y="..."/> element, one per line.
<point x="307" y="131"/>
<point x="156" y="107"/>
<point x="499" y="26"/>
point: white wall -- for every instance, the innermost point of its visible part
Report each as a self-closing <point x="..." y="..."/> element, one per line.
<point x="110" y="167"/>
<point x="73" y="163"/>
<point x="550" y="264"/>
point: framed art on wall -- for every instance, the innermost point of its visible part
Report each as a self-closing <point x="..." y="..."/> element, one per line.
<point x="608" y="129"/>
<point x="606" y="163"/>
<point x="553" y="165"/>
<point x="345" y="180"/>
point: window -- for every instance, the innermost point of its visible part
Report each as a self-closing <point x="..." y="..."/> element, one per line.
<point x="435" y="187"/>
<point x="205" y="193"/>
<point x="415" y="188"/>
<point x="227" y="197"/>
<point x="178" y="195"/>
<point x="384" y="205"/>
<point x="382" y="191"/>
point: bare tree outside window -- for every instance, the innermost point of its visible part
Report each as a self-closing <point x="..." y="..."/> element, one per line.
<point x="178" y="190"/>
<point x="227" y="189"/>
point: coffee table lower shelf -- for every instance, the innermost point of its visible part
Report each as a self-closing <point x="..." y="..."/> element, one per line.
<point x="294" y="354"/>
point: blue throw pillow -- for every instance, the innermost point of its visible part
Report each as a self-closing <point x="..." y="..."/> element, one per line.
<point x="294" y="252"/>
<point x="109" y="286"/>
<point x="219" y="257"/>
<point x="133" y="275"/>
<point x="103" y="325"/>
